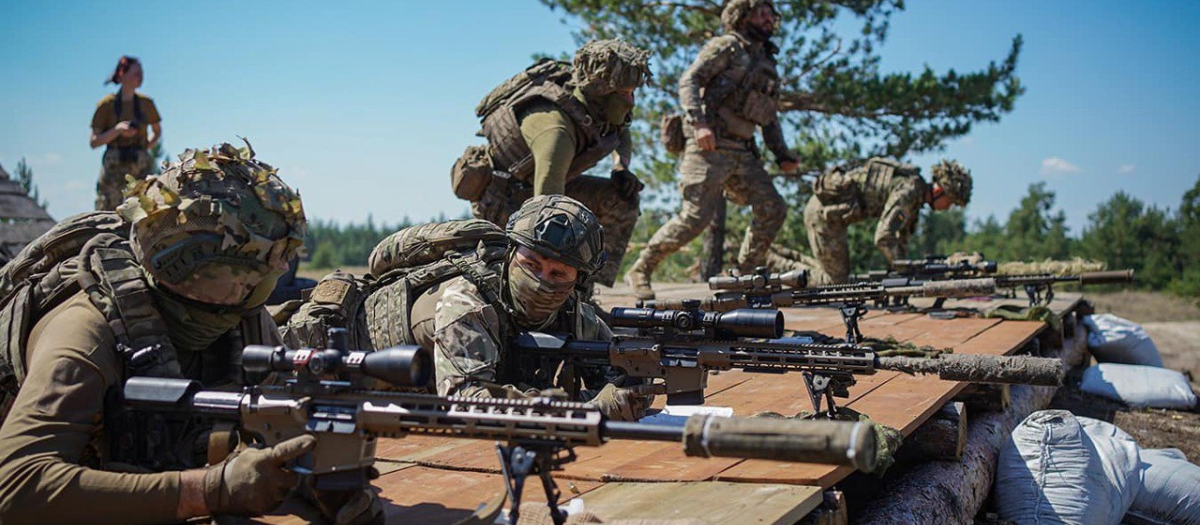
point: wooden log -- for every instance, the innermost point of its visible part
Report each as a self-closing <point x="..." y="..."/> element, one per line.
<point x="940" y="438"/>
<point x="981" y="398"/>
<point x="954" y="491"/>
<point x="831" y="512"/>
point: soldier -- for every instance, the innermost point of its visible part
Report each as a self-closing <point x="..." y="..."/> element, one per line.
<point x="880" y="188"/>
<point x="731" y="89"/>
<point x="120" y="122"/>
<point x="556" y="243"/>
<point x="548" y="125"/>
<point x="174" y="291"/>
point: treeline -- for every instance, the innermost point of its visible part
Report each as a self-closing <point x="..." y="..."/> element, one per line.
<point x="333" y="245"/>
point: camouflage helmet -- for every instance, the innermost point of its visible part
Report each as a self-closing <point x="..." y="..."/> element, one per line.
<point x="954" y="179"/>
<point x="604" y="66"/>
<point x="736" y="11"/>
<point x="215" y="216"/>
<point x="561" y="228"/>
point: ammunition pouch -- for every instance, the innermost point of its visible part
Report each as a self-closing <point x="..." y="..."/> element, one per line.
<point x="672" y="133"/>
<point x="472" y="174"/>
<point x="759" y="108"/>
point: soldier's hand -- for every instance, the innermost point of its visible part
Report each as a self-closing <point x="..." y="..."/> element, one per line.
<point x="253" y="481"/>
<point x="627" y="183"/>
<point x="789" y="166"/>
<point x="621" y="404"/>
<point x="705" y="138"/>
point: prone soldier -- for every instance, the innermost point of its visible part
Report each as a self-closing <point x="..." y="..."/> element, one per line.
<point x="549" y="124"/>
<point x="501" y="283"/>
<point x="880" y="188"/>
<point x="731" y="89"/>
<point x="173" y="287"/>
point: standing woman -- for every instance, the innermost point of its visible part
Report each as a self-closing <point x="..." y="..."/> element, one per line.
<point x="120" y="122"/>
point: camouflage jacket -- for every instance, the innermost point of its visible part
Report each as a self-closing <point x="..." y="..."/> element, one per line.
<point x="880" y="188"/>
<point x="471" y="351"/>
<point x="733" y="86"/>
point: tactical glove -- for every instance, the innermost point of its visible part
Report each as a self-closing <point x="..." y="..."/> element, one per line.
<point x="253" y="481"/>
<point x="627" y="183"/>
<point x="621" y="404"/>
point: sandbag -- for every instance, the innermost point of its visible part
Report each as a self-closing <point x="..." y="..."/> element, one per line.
<point x="1170" y="488"/>
<point x="1139" y="386"/>
<point x="1116" y="340"/>
<point x="1057" y="469"/>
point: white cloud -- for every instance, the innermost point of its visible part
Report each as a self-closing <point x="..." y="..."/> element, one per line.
<point x="1126" y="169"/>
<point x="1055" y="166"/>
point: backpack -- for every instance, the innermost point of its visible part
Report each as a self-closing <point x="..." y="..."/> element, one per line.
<point x="87" y="252"/>
<point x="544" y="70"/>
<point x="375" y="308"/>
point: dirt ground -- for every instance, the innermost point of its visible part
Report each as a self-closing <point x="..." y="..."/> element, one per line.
<point x="1174" y="326"/>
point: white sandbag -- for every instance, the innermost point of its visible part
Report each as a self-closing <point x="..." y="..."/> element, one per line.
<point x="1170" y="488"/>
<point x="1055" y="470"/>
<point x="1115" y="340"/>
<point x="1139" y="386"/>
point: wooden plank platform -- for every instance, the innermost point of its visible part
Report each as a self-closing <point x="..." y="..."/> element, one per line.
<point x="440" y="480"/>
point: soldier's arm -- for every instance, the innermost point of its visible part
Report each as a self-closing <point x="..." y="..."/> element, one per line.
<point x="551" y="138"/>
<point x="623" y="156"/>
<point x="46" y="437"/>
<point x="467" y="344"/>
<point x="714" y="58"/>
<point x="899" y="220"/>
<point x="773" y="137"/>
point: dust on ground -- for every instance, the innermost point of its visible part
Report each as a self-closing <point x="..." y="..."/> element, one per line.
<point x="1145" y="307"/>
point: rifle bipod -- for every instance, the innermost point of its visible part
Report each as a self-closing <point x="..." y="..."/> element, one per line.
<point x="851" y="313"/>
<point x="822" y="386"/>
<point x="519" y="461"/>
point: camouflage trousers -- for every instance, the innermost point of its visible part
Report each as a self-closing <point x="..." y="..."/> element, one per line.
<point x="110" y="189"/>
<point x="828" y="237"/>
<point x="704" y="176"/>
<point x="616" y="214"/>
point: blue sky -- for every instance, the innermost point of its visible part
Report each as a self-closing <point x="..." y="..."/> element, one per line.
<point x="365" y="105"/>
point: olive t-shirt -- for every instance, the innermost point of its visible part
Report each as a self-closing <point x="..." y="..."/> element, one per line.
<point x="106" y="118"/>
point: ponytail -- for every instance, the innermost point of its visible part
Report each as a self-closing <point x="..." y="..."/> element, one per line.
<point x="123" y="65"/>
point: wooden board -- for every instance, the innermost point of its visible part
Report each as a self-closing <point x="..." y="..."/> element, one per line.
<point x="440" y="480"/>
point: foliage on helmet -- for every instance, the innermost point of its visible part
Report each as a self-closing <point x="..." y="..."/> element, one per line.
<point x="561" y="228"/>
<point x="736" y="11"/>
<point x="220" y="207"/>
<point x="604" y="66"/>
<point x="954" y="179"/>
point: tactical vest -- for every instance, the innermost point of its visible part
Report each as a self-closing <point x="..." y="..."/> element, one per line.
<point x="90" y="253"/>
<point x="746" y="94"/>
<point x="545" y="80"/>
<point x="375" y="308"/>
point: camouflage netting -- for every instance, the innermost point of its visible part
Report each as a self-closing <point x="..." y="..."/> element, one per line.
<point x="736" y="11"/>
<point x="604" y="66"/>
<point x="215" y="216"/>
<point x="954" y="179"/>
<point x="887" y="439"/>
<point x="1074" y="266"/>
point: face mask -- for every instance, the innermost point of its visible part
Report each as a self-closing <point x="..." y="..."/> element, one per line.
<point x="758" y="33"/>
<point x="192" y="329"/>
<point x="617" y="108"/>
<point x="535" y="300"/>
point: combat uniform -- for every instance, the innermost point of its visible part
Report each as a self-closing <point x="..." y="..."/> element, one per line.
<point x="732" y="87"/>
<point x="55" y="455"/>
<point x="545" y="151"/>
<point x="470" y="339"/>
<point x="124" y="155"/>
<point x="881" y="188"/>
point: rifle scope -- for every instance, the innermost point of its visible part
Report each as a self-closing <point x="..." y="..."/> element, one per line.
<point x="746" y="322"/>
<point x="401" y="366"/>
<point x="760" y="281"/>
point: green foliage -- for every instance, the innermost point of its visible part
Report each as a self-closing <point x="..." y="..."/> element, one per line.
<point x="1033" y="231"/>
<point x="332" y="245"/>
<point x="24" y="177"/>
<point x="837" y="103"/>
<point x="1126" y="234"/>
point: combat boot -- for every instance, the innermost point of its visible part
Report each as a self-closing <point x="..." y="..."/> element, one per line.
<point x="638" y="279"/>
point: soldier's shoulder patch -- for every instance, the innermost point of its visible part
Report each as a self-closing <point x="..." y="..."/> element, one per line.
<point x="331" y="291"/>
